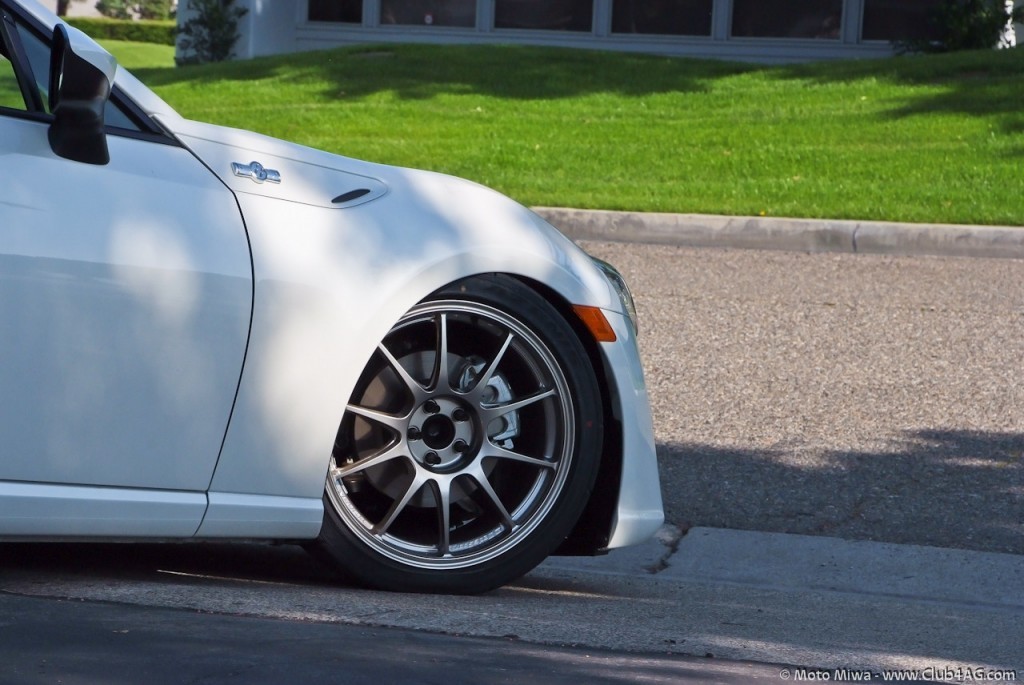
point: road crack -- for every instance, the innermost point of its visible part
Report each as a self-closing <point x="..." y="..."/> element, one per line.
<point x="670" y="536"/>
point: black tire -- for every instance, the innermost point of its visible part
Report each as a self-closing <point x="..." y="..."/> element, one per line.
<point x="460" y="472"/>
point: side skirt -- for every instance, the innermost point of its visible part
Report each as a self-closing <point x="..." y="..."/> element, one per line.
<point x="36" y="510"/>
<point x="61" y="512"/>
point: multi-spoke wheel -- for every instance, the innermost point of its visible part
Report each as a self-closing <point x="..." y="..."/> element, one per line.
<point x="469" y="446"/>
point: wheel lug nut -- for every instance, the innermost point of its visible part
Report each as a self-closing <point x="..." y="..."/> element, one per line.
<point x="460" y="446"/>
<point x="431" y="407"/>
<point x="460" y="415"/>
<point x="432" y="459"/>
<point x="414" y="433"/>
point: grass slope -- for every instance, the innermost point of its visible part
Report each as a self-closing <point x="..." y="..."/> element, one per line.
<point x="137" y="56"/>
<point x="929" y="138"/>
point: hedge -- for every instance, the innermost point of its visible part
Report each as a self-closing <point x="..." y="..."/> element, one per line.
<point x="160" y="32"/>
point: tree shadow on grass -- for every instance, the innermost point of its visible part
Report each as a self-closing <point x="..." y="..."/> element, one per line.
<point x="415" y="72"/>
<point x="945" y="488"/>
<point x="982" y="83"/>
<point x="975" y="83"/>
<point x="979" y="82"/>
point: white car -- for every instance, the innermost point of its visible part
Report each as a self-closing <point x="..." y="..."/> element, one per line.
<point x="211" y="334"/>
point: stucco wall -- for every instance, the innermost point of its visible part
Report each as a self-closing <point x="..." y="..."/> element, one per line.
<point x="78" y="8"/>
<point x="268" y="27"/>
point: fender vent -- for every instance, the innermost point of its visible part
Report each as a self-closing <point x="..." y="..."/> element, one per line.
<point x="350" y="195"/>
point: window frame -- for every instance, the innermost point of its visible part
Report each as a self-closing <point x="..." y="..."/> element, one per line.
<point x="18" y="58"/>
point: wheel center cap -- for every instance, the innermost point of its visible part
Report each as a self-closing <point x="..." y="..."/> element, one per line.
<point x="438" y="432"/>
<point x="441" y="434"/>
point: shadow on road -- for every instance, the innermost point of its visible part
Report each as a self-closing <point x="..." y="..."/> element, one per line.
<point x="961" y="489"/>
<point x="173" y="562"/>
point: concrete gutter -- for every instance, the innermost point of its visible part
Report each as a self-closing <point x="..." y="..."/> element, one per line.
<point x="800" y="235"/>
<point x="810" y="563"/>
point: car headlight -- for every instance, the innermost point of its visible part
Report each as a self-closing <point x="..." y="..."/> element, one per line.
<point x="619" y="284"/>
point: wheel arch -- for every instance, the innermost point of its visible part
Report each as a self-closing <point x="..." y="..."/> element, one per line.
<point x="592" y="532"/>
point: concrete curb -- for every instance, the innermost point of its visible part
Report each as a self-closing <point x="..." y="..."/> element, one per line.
<point x="810" y="563"/>
<point x="800" y="235"/>
<point x="828" y="602"/>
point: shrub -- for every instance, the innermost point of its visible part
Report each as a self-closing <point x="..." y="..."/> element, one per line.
<point x="210" y="32"/>
<point x="160" y="32"/>
<point x="964" y="25"/>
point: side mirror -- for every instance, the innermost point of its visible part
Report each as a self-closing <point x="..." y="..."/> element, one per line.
<point x="80" y="79"/>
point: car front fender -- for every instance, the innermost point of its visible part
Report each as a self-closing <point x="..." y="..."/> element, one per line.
<point x="328" y="286"/>
<point x="332" y="277"/>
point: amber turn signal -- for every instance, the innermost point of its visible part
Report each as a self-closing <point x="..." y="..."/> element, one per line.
<point x="593" y="318"/>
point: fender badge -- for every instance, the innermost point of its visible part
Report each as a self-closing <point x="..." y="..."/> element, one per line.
<point x="256" y="172"/>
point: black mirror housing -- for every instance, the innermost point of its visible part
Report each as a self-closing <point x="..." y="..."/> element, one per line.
<point x="79" y="90"/>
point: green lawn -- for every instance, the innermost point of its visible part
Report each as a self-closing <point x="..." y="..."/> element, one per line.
<point x="930" y="138"/>
<point x="136" y="56"/>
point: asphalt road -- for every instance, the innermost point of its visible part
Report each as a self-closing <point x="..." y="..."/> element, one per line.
<point x="126" y="645"/>
<point x="856" y="396"/>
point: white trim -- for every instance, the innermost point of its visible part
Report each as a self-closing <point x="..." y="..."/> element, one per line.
<point x="316" y="36"/>
<point x="853" y="21"/>
<point x="484" y="15"/>
<point x="602" y="19"/>
<point x="721" y="20"/>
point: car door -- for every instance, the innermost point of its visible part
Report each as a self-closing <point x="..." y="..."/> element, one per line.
<point x="125" y="302"/>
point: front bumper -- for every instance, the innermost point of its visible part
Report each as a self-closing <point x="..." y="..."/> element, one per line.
<point x="639" y="512"/>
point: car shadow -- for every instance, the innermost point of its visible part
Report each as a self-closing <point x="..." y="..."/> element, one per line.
<point x="943" y="488"/>
<point x="170" y="562"/>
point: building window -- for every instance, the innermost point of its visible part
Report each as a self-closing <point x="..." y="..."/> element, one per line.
<point x="787" y="18"/>
<point x="672" y="17"/>
<point x="898" y="19"/>
<point x="349" y="11"/>
<point x="557" y="15"/>
<point x="429" y="12"/>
